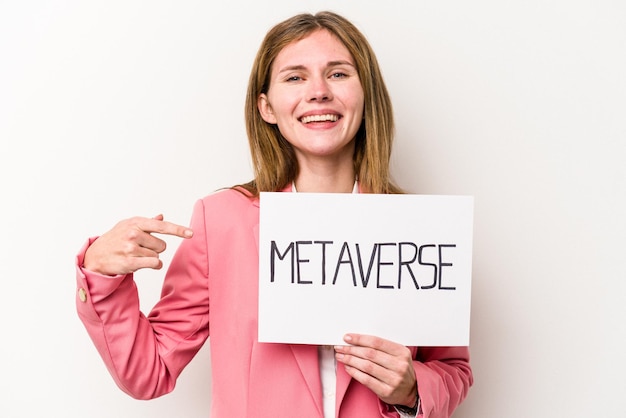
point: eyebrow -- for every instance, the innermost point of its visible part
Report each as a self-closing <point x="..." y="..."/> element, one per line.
<point x="328" y="64"/>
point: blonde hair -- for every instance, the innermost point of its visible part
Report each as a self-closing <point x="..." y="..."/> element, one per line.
<point x="273" y="158"/>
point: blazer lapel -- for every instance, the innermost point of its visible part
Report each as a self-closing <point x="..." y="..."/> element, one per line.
<point x="343" y="381"/>
<point x="306" y="357"/>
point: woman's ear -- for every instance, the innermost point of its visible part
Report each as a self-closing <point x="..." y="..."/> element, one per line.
<point x="265" y="109"/>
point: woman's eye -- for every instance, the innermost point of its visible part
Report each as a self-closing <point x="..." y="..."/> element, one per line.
<point x="294" y="78"/>
<point x="338" y="75"/>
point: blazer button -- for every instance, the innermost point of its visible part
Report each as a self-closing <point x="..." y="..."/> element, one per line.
<point x="82" y="295"/>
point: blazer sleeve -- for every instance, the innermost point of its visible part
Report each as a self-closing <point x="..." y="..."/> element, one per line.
<point x="145" y="355"/>
<point x="444" y="377"/>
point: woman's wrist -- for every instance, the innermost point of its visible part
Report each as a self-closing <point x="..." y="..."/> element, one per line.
<point x="411" y="408"/>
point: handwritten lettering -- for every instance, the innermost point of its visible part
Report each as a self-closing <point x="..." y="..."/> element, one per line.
<point x="383" y="265"/>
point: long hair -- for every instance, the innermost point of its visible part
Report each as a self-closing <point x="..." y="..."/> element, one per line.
<point x="273" y="158"/>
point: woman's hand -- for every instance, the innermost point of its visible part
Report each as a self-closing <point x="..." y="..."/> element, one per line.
<point x="130" y="246"/>
<point x="383" y="366"/>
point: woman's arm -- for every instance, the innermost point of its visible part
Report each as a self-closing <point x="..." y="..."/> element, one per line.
<point x="144" y="354"/>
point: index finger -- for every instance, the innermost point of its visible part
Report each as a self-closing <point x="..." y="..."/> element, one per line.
<point x="371" y="341"/>
<point x="159" y="226"/>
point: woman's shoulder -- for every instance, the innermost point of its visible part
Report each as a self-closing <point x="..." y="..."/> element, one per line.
<point x="232" y="200"/>
<point x="227" y="210"/>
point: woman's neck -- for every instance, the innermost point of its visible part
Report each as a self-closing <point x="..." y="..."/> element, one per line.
<point x="325" y="180"/>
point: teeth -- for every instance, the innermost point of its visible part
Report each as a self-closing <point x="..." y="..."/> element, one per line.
<point x="320" y="118"/>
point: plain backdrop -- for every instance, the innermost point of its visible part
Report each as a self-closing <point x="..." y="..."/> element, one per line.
<point x="110" y="109"/>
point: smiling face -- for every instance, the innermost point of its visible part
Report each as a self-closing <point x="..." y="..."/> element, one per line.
<point x="316" y="98"/>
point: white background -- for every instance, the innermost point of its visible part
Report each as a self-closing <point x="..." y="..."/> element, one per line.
<point x="110" y="109"/>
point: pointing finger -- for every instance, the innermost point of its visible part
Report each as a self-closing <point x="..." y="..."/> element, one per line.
<point x="159" y="226"/>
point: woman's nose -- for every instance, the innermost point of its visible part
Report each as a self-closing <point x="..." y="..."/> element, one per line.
<point x="319" y="90"/>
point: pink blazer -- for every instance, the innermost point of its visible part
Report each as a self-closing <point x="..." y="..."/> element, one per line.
<point x="211" y="289"/>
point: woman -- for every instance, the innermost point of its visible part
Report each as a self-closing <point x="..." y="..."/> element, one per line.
<point x="318" y="117"/>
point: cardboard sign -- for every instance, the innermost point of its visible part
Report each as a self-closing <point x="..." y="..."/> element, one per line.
<point x="395" y="266"/>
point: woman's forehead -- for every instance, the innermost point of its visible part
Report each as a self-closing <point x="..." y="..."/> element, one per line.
<point x="316" y="48"/>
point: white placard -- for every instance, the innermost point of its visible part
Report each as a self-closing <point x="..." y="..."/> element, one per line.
<point x="395" y="266"/>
